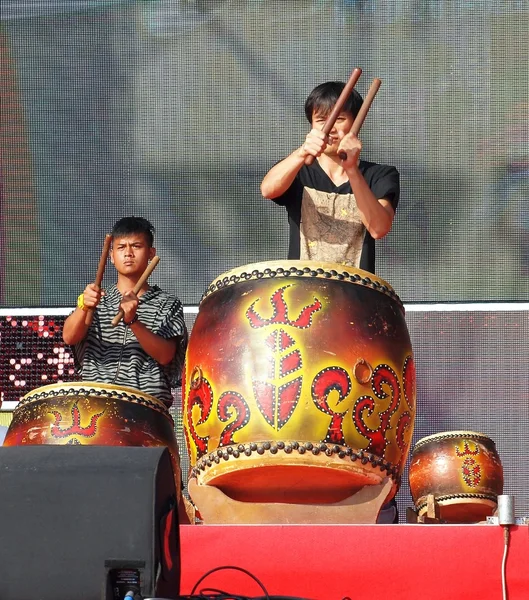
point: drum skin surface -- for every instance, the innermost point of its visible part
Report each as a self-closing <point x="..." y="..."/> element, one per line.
<point x="299" y="383"/>
<point x="462" y="470"/>
<point x="90" y="413"/>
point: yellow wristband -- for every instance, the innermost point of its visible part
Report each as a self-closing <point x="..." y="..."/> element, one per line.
<point x="80" y="302"/>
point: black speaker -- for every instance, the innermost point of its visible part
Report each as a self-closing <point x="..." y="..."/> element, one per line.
<point x="90" y="522"/>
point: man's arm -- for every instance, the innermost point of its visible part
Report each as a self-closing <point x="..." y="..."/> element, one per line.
<point x="161" y="349"/>
<point x="280" y="177"/>
<point x="377" y="214"/>
<point x="75" y="328"/>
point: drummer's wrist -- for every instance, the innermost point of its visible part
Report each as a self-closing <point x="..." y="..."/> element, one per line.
<point x="132" y="321"/>
<point x="353" y="170"/>
<point x="300" y="155"/>
<point x="80" y="302"/>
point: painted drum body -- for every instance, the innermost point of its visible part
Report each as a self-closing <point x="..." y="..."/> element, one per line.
<point x="299" y="383"/>
<point x="462" y="470"/>
<point x="90" y="413"/>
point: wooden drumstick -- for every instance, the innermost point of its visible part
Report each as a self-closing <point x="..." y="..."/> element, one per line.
<point x="99" y="275"/>
<point x="364" y="109"/>
<point x="145" y="275"/>
<point x="337" y="109"/>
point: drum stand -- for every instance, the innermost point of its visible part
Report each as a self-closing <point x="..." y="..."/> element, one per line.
<point x="216" y="507"/>
<point x="431" y="516"/>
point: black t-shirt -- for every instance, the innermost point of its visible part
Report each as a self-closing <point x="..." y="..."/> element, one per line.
<point x="325" y="224"/>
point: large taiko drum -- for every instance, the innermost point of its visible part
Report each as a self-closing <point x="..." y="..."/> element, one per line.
<point x="299" y="383"/>
<point x="462" y="470"/>
<point x="90" y="413"/>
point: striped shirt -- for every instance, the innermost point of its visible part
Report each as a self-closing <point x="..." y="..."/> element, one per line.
<point x="113" y="354"/>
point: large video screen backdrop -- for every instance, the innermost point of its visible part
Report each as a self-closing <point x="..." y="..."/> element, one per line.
<point x="175" y="109"/>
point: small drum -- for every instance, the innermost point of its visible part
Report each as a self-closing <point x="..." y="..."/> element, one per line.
<point x="299" y="383"/>
<point x="462" y="470"/>
<point x="93" y="413"/>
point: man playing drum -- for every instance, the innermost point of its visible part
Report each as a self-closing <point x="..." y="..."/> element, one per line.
<point x="337" y="204"/>
<point x="146" y="349"/>
<point x="337" y="207"/>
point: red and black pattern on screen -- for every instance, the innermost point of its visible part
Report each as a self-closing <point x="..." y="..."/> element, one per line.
<point x="32" y="354"/>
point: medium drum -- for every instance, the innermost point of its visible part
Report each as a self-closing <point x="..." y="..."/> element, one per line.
<point x="299" y="383"/>
<point x="462" y="470"/>
<point x="93" y="413"/>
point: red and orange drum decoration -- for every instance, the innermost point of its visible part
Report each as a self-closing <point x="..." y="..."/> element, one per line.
<point x="299" y="384"/>
<point x="90" y="413"/>
<point x="463" y="472"/>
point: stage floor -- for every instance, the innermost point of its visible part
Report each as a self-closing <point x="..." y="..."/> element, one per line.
<point x="333" y="562"/>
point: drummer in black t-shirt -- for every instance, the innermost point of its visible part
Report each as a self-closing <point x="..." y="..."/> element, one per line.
<point x="336" y="207"/>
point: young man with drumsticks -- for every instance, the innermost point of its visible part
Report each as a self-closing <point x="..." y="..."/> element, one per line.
<point x="340" y="204"/>
<point x="337" y="203"/>
<point x="146" y="348"/>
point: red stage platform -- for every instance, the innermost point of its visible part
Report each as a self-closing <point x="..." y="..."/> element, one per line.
<point x="332" y="562"/>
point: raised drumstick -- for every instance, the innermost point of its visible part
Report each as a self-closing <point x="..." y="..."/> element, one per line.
<point x="337" y="109"/>
<point x="145" y="275"/>
<point x="364" y="109"/>
<point x="99" y="275"/>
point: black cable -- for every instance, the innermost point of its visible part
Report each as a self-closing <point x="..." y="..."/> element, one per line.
<point x="267" y="597"/>
<point x="215" y="593"/>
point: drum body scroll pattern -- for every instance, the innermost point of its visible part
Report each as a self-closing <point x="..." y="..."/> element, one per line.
<point x="299" y="384"/>
<point x="90" y="413"/>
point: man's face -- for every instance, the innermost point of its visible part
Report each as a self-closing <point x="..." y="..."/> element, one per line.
<point x="343" y="123"/>
<point x="131" y="254"/>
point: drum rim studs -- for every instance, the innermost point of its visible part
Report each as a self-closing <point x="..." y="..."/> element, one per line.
<point x="302" y="272"/>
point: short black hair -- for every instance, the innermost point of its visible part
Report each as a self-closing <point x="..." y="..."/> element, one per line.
<point x="324" y="96"/>
<point x="132" y="225"/>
